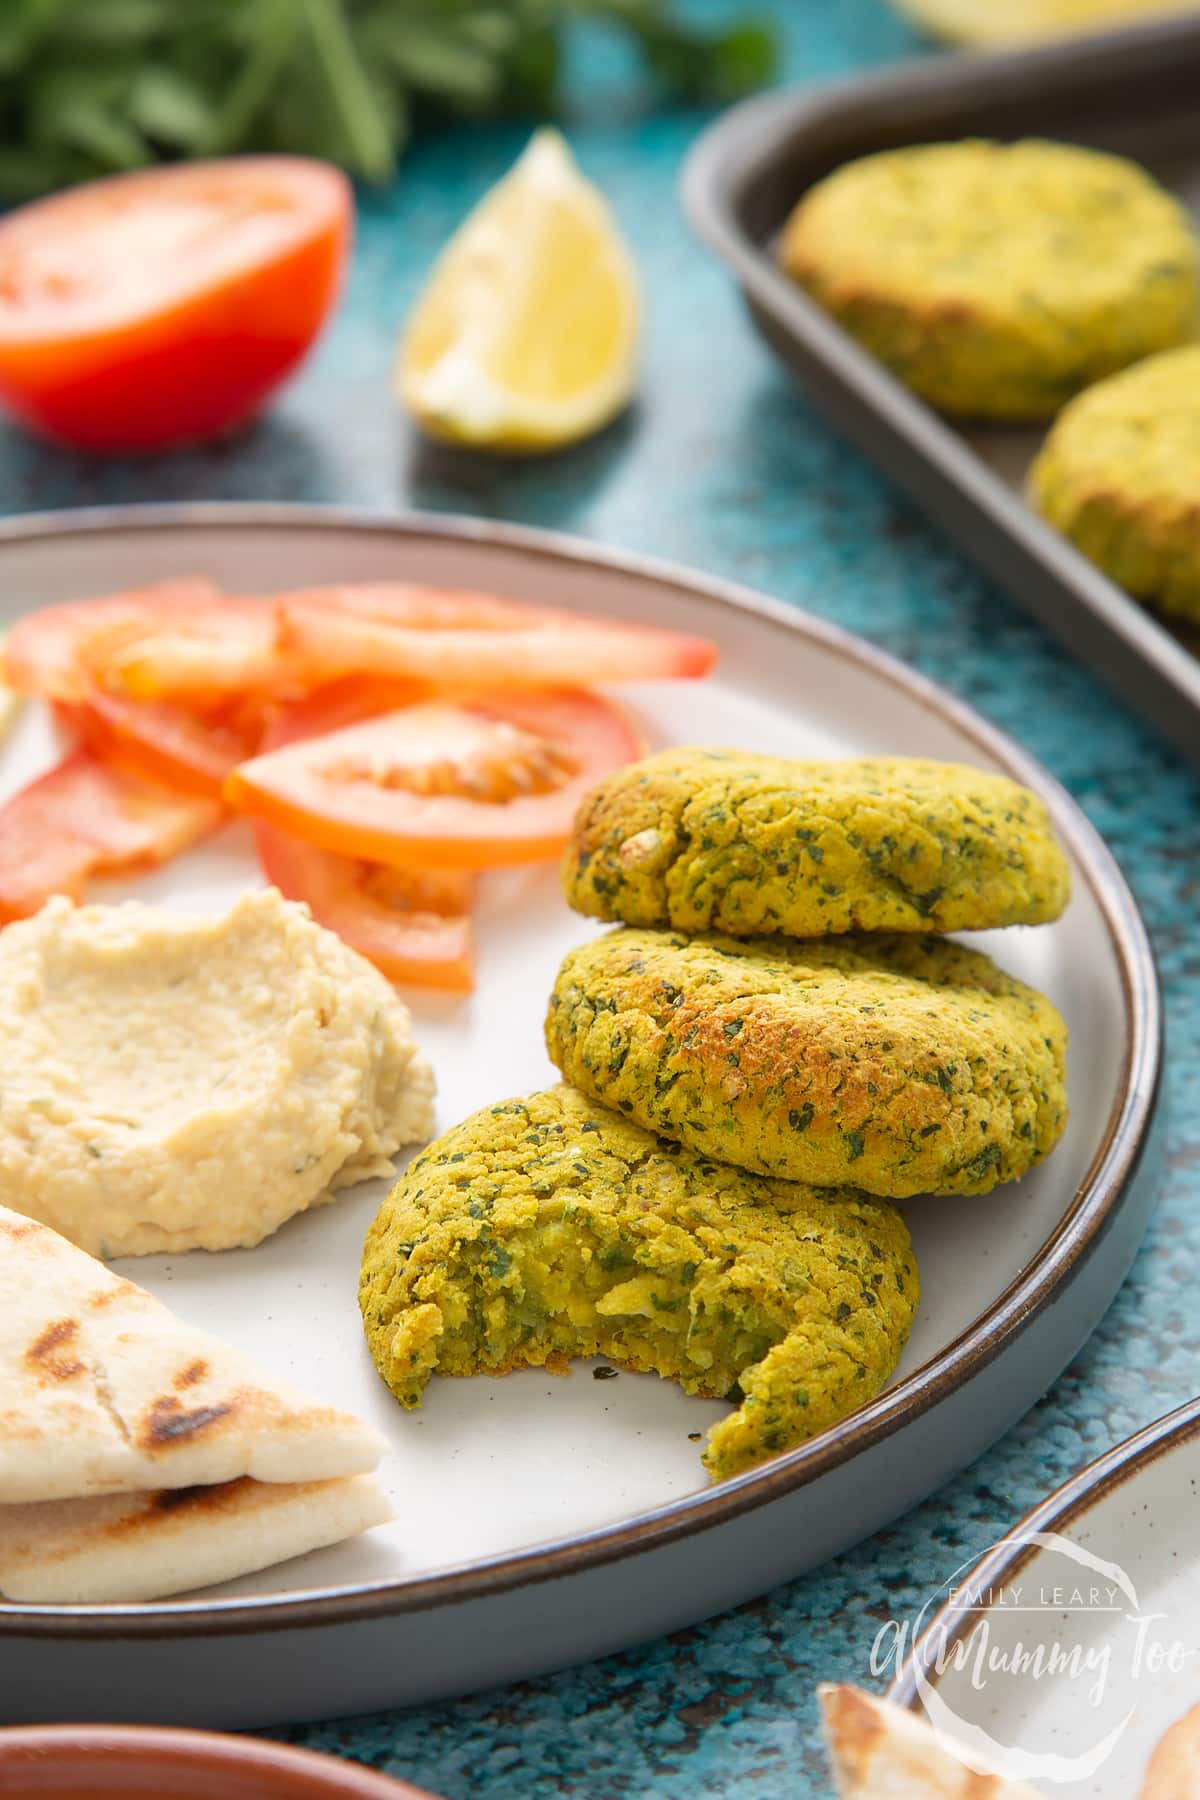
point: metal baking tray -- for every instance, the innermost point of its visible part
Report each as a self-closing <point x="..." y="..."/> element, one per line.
<point x="1134" y="91"/>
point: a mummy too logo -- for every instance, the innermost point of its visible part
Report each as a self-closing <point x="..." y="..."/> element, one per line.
<point x="1036" y="1676"/>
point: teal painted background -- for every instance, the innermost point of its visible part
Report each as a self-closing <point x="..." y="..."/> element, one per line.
<point x="724" y="466"/>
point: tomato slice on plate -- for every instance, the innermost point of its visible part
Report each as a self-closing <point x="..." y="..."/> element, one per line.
<point x="173" y="639"/>
<point x="475" y="785"/>
<point x="413" y="924"/>
<point x="160" y="742"/>
<point x="338" y="703"/>
<point x="84" y="818"/>
<point x="462" y="640"/>
<point x="45" y="652"/>
<point x="164" y="306"/>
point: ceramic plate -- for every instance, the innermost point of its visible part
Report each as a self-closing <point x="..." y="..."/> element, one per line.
<point x="544" y="1520"/>
<point x="1098" y="1589"/>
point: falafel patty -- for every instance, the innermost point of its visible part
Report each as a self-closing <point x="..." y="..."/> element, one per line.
<point x="998" y="280"/>
<point x="903" y="1065"/>
<point x="548" y="1227"/>
<point x="1120" y="476"/>
<point x="727" y="840"/>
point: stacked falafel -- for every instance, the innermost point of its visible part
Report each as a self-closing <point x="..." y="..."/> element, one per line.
<point x="771" y="1048"/>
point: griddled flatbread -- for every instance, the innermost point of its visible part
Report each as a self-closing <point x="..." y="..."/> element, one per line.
<point x="125" y="1547"/>
<point x="882" y="1752"/>
<point x="103" y="1390"/>
<point x="1174" y="1772"/>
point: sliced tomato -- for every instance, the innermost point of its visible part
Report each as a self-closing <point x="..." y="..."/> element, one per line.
<point x="413" y="924"/>
<point x="171" y="640"/>
<point x="164" y="306"/>
<point x="85" y="818"/>
<point x="337" y="704"/>
<point x="47" y="651"/>
<point x="160" y="742"/>
<point x="469" y="786"/>
<point x="462" y="640"/>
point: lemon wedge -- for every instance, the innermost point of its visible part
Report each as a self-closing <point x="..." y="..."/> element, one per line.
<point x="1013" y="21"/>
<point x="526" y="335"/>
<point x="10" y="702"/>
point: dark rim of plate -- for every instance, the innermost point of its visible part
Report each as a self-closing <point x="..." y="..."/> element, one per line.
<point x="1084" y="1221"/>
<point x="1002" y="1564"/>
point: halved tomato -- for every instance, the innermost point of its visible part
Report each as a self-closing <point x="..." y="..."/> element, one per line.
<point x="479" y="642"/>
<point x="193" y="753"/>
<point x="164" y="306"/>
<point x="470" y="786"/>
<point x="172" y="639"/>
<point x="413" y="924"/>
<point x="85" y="818"/>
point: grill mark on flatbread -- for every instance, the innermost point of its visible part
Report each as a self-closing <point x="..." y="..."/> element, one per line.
<point x="108" y="1400"/>
<point x="119" y="1290"/>
<point x="140" y="1546"/>
<point x="222" y="1497"/>
<point x="51" y="1354"/>
<point x="167" y="1423"/>
<point x="201" y="1502"/>
<point x="104" y="1391"/>
<point x="171" y="1499"/>
<point x="855" y="1730"/>
<point x="878" y="1749"/>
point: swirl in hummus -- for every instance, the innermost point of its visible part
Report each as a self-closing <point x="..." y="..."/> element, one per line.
<point x="171" y="1083"/>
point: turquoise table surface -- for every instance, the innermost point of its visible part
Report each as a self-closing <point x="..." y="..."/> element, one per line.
<point x="724" y="466"/>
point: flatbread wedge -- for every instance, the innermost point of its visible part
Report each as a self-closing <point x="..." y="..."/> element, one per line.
<point x="129" y="1547"/>
<point x="103" y="1390"/>
<point x="1174" y="1772"/>
<point x="881" y="1752"/>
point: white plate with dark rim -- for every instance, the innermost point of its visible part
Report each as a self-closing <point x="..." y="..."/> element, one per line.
<point x="546" y="1521"/>
<point x="1099" y="1586"/>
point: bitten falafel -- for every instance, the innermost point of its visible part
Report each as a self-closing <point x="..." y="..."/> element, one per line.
<point x="548" y="1227"/>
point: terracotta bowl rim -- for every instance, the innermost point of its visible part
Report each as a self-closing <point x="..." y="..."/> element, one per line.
<point x="312" y="1773"/>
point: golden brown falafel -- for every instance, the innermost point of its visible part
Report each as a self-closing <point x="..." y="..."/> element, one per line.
<point x="998" y="280"/>
<point x="1120" y="476"/>
<point x="900" y="1064"/>
<point x="730" y="840"/>
<point x="548" y="1227"/>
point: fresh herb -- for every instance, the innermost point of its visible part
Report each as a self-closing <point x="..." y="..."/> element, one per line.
<point x="92" y="87"/>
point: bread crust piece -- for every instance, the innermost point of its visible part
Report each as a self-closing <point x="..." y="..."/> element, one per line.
<point x="549" y="1227"/>
<point x="900" y="1064"/>
<point x="735" y="841"/>
<point x="1174" y="1771"/>
<point x="142" y="1546"/>
<point x="879" y="1751"/>
<point x="1120" y="476"/>
<point x="998" y="280"/>
<point x="103" y="1390"/>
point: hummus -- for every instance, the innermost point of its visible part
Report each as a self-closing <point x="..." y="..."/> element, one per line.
<point x="171" y="1083"/>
